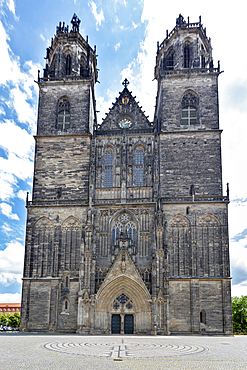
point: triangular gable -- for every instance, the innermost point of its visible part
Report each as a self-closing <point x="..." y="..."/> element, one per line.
<point x="123" y="267"/>
<point x="125" y="107"/>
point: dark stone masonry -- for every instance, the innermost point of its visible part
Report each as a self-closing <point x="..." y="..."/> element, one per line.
<point x="127" y="230"/>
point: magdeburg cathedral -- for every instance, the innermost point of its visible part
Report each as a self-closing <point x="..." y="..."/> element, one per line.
<point x="127" y="229"/>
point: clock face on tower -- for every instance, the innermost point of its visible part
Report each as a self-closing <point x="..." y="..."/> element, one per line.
<point x="125" y="123"/>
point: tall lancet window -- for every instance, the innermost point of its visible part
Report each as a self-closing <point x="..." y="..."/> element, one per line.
<point x="63" y="119"/>
<point x="186" y="56"/>
<point x="169" y="60"/>
<point x="108" y="168"/>
<point x="139" y="167"/>
<point x="68" y="65"/>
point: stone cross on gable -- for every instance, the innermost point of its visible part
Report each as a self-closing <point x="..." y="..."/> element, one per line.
<point x="125" y="83"/>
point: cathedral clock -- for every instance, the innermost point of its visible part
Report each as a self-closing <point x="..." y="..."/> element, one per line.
<point x="125" y="123"/>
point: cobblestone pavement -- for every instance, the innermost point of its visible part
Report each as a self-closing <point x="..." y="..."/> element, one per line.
<point x="53" y="351"/>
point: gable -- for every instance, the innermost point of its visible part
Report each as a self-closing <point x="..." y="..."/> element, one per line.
<point x="125" y="115"/>
<point x="123" y="268"/>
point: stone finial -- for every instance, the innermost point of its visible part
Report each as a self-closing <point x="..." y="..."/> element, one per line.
<point x="180" y="20"/>
<point x="75" y="23"/>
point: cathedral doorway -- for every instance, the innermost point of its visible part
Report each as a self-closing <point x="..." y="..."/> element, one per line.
<point x="116" y="324"/>
<point x="128" y="324"/>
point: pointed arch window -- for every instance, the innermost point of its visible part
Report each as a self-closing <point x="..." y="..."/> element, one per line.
<point x="63" y="115"/>
<point x="189" y="109"/>
<point x="108" y="168"/>
<point x="139" y="167"/>
<point x="68" y="65"/>
<point x="124" y="225"/>
<point x="53" y="66"/>
<point x="169" y="60"/>
<point x="187" y="53"/>
<point x="203" y="62"/>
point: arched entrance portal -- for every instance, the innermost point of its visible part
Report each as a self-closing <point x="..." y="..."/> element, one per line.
<point x="124" y="294"/>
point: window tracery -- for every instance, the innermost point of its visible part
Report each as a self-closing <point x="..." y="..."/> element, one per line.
<point x="108" y="168"/>
<point x="124" y="226"/>
<point x="168" y="63"/>
<point x="189" y="109"/>
<point x="187" y="55"/>
<point x="63" y="115"/>
<point x="179" y="245"/>
<point x="139" y="167"/>
<point x="124" y="301"/>
<point x="68" y="65"/>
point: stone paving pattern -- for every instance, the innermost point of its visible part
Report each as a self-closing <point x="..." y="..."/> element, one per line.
<point x="37" y="351"/>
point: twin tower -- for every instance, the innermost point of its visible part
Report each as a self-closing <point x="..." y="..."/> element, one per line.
<point x="127" y="230"/>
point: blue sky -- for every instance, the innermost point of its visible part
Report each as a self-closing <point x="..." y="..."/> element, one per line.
<point x="126" y="34"/>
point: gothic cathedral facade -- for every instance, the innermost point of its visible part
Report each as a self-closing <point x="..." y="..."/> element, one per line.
<point x="127" y="229"/>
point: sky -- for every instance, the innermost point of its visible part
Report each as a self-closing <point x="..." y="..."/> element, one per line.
<point x="126" y="34"/>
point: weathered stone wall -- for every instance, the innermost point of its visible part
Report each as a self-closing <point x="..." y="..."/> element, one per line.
<point x="78" y="93"/>
<point x="45" y="307"/>
<point x="53" y="240"/>
<point x="172" y="90"/>
<point x="190" y="158"/>
<point x="197" y="239"/>
<point x="188" y="297"/>
<point x="61" y="168"/>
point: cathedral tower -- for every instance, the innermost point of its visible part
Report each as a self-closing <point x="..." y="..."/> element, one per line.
<point x="187" y="120"/>
<point x="66" y="120"/>
<point x="127" y="230"/>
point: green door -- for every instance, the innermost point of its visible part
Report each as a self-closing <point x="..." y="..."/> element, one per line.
<point x="115" y="324"/>
<point x="128" y="324"/>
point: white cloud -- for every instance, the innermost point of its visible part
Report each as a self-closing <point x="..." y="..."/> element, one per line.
<point x="7" y="184"/>
<point x="18" y="144"/>
<point x="20" y="81"/>
<point x="42" y="37"/>
<point x="15" y="140"/>
<point x="10" y="298"/>
<point x="6" y="228"/>
<point x="2" y="111"/>
<point x="134" y="25"/>
<point x="11" y="263"/>
<point x="98" y="16"/>
<point x="22" y="194"/>
<point x="104" y="104"/>
<point x="7" y="211"/>
<point x="25" y="112"/>
<point x="239" y="289"/>
<point x="117" y="46"/>
<point x="11" y="6"/>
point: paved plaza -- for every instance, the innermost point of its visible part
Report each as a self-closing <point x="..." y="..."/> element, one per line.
<point x="54" y="351"/>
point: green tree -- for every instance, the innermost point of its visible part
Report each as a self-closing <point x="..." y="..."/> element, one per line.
<point x="14" y="320"/>
<point x="2" y="319"/>
<point x="239" y="314"/>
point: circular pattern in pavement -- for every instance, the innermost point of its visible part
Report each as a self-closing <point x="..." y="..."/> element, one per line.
<point x="120" y="348"/>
